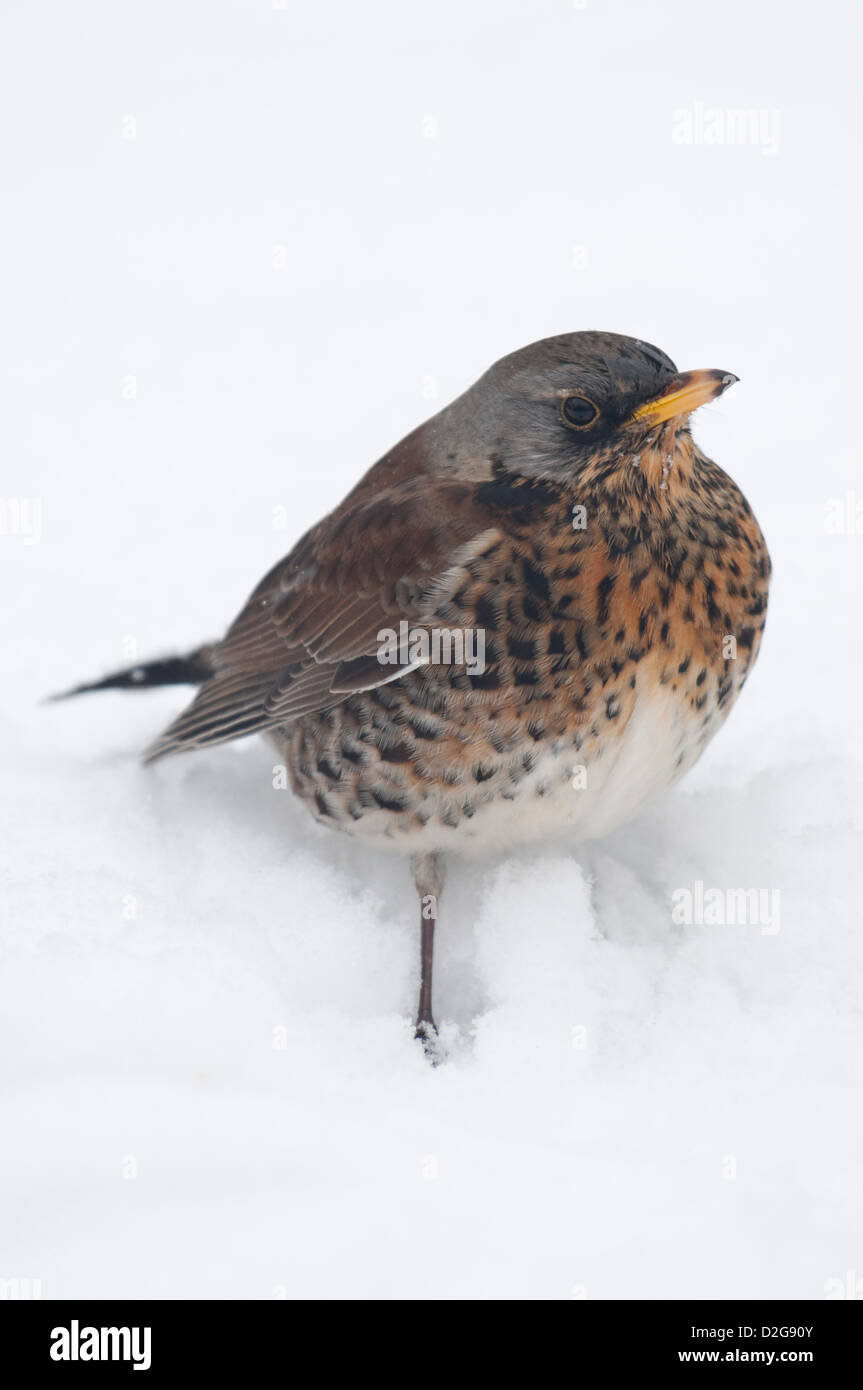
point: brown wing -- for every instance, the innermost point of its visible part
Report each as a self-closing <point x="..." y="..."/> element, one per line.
<point x="308" y="636"/>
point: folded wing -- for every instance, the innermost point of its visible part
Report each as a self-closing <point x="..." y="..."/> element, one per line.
<point x="308" y="635"/>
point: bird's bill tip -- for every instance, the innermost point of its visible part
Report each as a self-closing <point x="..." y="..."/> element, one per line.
<point x="686" y="393"/>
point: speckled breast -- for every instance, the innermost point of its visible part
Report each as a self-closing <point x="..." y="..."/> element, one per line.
<point x="613" y="653"/>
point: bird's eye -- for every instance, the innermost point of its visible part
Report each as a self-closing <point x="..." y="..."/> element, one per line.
<point x="578" y="412"/>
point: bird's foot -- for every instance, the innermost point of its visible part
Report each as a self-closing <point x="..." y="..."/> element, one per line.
<point x="426" y="1033"/>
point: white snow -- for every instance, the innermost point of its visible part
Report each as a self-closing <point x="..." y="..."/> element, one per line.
<point x="330" y="219"/>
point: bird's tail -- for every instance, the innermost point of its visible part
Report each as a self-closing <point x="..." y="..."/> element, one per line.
<point x="193" y="669"/>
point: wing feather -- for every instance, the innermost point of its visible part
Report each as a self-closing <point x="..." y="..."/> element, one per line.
<point x="308" y="636"/>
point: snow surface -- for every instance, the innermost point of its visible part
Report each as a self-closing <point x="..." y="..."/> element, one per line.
<point x="330" y="220"/>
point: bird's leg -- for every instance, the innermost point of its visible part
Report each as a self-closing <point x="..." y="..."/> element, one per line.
<point x="428" y="875"/>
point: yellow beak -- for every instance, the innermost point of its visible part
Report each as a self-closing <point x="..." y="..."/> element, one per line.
<point x="687" y="392"/>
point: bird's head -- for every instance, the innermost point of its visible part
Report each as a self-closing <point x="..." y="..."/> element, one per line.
<point x="582" y="405"/>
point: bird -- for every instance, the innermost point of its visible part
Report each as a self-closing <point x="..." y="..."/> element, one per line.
<point x="524" y="623"/>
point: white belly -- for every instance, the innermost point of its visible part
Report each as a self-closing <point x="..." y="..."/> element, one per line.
<point x="572" y="796"/>
<point x="592" y="792"/>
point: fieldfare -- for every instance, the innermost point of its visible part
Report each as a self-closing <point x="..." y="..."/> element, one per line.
<point x="525" y="621"/>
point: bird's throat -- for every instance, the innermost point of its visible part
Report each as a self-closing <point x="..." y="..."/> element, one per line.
<point x="665" y="460"/>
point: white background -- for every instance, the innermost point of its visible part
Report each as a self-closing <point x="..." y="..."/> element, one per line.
<point x="330" y="220"/>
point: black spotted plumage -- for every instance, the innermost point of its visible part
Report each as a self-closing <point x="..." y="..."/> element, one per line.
<point x="617" y="577"/>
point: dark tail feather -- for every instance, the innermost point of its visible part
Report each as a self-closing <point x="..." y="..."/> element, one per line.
<point x="193" y="669"/>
